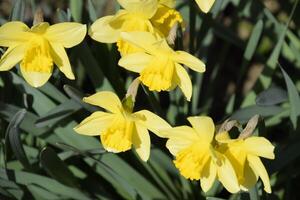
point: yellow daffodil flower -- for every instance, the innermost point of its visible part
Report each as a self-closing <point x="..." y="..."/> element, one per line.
<point x="137" y="15"/>
<point x="160" y="66"/>
<point x="38" y="48"/>
<point x="119" y="128"/>
<point x="196" y="157"/>
<point x="244" y="155"/>
<point x="205" y="5"/>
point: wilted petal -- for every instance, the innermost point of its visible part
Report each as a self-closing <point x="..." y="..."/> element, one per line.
<point x="67" y="34"/>
<point x="94" y="124"/>
<point x="107" y="100"/>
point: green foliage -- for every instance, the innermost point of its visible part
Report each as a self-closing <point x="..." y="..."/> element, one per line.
<point x="242" y="42"/>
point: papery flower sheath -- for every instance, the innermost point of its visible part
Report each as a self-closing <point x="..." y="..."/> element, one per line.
<point x="195" y="155"/>
<point x="38" y="48"/>
<point x="120" y="128"/>
<point x="244" y="154"/>
<point x="205" y="5"/>
<point x="136" y="15"/>
<point x="159" y="65"/>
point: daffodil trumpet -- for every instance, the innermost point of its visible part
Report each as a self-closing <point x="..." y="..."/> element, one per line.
<point x="38" y="48"/>
<point x="119" y="127"/>
<point x="159" y="66"/>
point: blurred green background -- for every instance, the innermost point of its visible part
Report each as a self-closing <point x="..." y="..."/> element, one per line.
<point x="252" y="52"/>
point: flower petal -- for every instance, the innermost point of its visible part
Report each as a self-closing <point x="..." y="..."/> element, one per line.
<point x="35" y="79"/>
<point x="184" y="81"/>
<point x="209" y="174"/>
<point x="141" y="141"/>
<point x="11" y="57"/>
<point x="227" y="175"/>
<point x="179" y="138"/>
<point x="257" y="166"/>
<point x="14" y="33"/>
<point x="169" y="3"/>
<point x="146" y="7"/>
<point x="107" y="100"/>
<point x="190" y="61"/>
<point x="153" y="122"/>
<point x="101" y="30"/>
<point x="67" y="34"/>
<point x="61" y="59"/>
<point x="135" y="62"/>
<point x="205" y="5"/>
<point x="94" y="124"/>
<point x="204" y="126"/>
<point x="259" y="146"/>
<point x="250" y="178"/>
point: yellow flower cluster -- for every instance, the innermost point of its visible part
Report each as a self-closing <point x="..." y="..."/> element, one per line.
<point x="143" y="31"/>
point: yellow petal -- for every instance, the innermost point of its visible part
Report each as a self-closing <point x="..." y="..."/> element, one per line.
<point x="40" y="28"/>
<point x="227" y="175"/>
<point x="153" y="122"/>
<point x="169" y="3"/>
<point x="190" y="61"/>
<point x="67" y="34"/>
<point x="204" y="126"/>
<point x="135" y="62"/>
<point x="179" y="138"/>
<point x="101" y="30"/>
<point x="94" y="124"/>
<point x="224" y="137"/>
<point x="35" y="79"/>
<point x="141" y="141"/>
<point x="146" y="8"/>
<point x="250" y="178"/>
<point x="61" y="59"/>
<point x="184" y="81"/>
<point x="107" y="100"/>
<point x="11" y="57"/>
<point x="259" y="146"/>
<point x="208" y="176"/>
<point x="205" y="5"/>
<point x="142" y="40"/>
<point x="14" y="33"/>
<point x="257" y="166"/>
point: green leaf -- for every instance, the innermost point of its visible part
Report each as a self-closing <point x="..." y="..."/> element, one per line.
<point x="57" y="168"/>
<point x="244" y="114"/>
<point x="58" y="113"/>
<point x="253" y="41"/>
<point x="92" y="11"/>
<point x="18" y="10"/>
<point x="76" y="7"/>
<point x="272" y="96"/>
<point x="13" y="136"/>
<point x="293" y="98"/>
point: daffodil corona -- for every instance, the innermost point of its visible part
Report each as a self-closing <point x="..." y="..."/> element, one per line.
<point x="160" y="66"/>
<point x="119" y="128"/>
<point x="195" y="155"/>
<point x="38" y="48"/>
<point x="137" y="15"/>
<point x="244" y="155"/>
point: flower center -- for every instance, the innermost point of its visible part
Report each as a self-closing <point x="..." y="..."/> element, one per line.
<point x="37" y="56"/>
<point x="118" y="136"/>
<point x="191" y="161"/>
<point x="158" y="75"/>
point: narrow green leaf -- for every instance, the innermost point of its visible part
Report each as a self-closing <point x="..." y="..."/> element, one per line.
<point x="92" y="11"/>
<point x="293" y="98"/>
<point x="253" y="41"/>
<point x="57" y="168"/>
<point x="272" y="96"/>
<point x="13" y="136"/>
<point x="18" y="10"/>
<point x="76" y="7"/>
